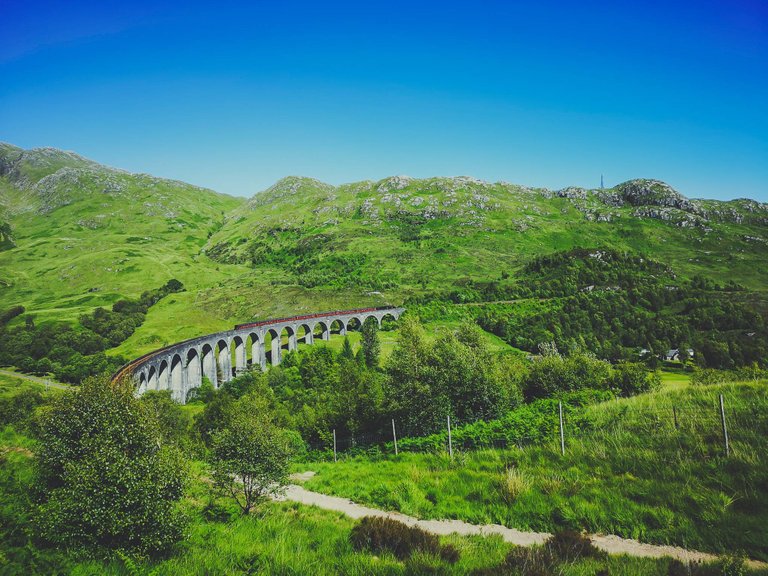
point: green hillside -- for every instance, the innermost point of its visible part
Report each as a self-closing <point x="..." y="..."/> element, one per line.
<point x="77" y="235"/>
<point x="86" y="235"/>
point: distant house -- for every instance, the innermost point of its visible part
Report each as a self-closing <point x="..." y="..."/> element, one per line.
<point x="672" y="355"/>
<point x="643" y="352"/>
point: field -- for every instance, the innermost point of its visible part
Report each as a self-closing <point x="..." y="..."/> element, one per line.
<point x="634" y="474"/>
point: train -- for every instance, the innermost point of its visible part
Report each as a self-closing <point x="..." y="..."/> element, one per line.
<point x="312" y="316"/>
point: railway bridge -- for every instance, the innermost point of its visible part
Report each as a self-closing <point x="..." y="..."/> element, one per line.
<point x="220" y="356"/>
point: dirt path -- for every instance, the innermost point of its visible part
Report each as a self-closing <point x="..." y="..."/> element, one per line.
<point x="611" y="544"/>
<point x="35" y="379"/>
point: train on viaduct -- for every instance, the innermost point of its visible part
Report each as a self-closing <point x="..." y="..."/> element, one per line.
<point x="221" y="356"/>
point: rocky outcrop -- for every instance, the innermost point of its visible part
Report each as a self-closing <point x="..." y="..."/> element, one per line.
<point x="644" y="192"/>
<point x="290" y="186"/>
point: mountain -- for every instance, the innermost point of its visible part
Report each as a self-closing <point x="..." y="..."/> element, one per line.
<point x="81" y="235"/>
<point x="76" y="235"/>
<point x="404" y="236"/>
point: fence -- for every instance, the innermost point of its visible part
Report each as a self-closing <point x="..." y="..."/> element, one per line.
<point x="710" y="427"/>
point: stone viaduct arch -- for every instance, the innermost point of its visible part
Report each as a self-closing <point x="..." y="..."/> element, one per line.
<point x="221" y="356"/>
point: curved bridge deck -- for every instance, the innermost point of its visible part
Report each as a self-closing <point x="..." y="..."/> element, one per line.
<point x="182" y="366"/>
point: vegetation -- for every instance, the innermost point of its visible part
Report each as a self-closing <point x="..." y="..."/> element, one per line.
<point x="632" y="467"/>
<point x="590" y="488"/>
<point x="89" y="236"/>
<point x="104" y="479"/>
<point x="250" y="456"/>
<point x="73" y="354"/>
<point x="379" y="535"/>
<point x="615" y="304"/>
<point x="491" y="270"/>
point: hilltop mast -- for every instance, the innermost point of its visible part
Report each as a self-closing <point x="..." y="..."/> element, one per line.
<point x="601" y="182"/>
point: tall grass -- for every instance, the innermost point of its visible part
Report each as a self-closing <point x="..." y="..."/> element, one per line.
<point x="628" y="472"/>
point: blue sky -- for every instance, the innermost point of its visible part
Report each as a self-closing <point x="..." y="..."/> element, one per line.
<point x="544" y="93"/>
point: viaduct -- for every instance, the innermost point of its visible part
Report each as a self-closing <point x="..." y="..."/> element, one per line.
<point x="222" y="355"/>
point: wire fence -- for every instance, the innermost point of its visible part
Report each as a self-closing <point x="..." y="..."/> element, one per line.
<point x="713" y="428"/>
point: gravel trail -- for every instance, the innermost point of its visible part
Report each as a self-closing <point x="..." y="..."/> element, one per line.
<point x="611" y="544"/>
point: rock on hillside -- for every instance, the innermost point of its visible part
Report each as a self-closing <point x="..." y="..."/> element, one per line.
<point x="24" y="168"/>
<point x="643" y="192"/>
<point x="289" y="186"/>
<point x="44" y="179"/>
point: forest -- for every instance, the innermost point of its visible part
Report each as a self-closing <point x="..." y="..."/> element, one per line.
<point x="615" y="305"/>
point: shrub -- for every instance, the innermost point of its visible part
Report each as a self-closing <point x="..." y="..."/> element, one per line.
<point x="553" y="374"/>
<point x="104" y="476"/>
<point x="11" y="313"/>
<point x="18" y="408"/>
<point x="378" y="535"/>
<point x="709" y="376"/>
<point x="568" y="545"/>
<point x="727" y="565"/>
<point x="631" y="378"/>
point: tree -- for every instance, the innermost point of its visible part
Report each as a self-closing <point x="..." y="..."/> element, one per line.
<point x="371" y="344"/>
<point x="105" y="477"/>
<point x="250" y="455"/>
<point x="173" y="421"/>
<point x="346" y="349"/>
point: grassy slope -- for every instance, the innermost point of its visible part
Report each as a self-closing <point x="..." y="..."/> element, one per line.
<point x="110" y="235"/>
<point x="636" y="478"/>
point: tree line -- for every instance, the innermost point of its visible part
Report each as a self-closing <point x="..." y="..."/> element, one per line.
<point x="73" y="353"/>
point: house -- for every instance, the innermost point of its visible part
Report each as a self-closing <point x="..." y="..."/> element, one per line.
<point x="672" y="355"/>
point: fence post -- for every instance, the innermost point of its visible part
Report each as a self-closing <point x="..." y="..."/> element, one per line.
<point x="334" y="444"/>
<point x="674" y="416"/>
<point x="725" y="429"/>
<point x="562" y="434"/>
<point x="394" y="435"/>
<point x="450" y="441"/>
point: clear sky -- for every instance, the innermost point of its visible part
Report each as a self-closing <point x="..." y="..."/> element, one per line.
<point x="542" y="93"/>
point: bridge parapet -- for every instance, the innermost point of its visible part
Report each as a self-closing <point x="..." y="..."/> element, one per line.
<point x="181" y="367"/>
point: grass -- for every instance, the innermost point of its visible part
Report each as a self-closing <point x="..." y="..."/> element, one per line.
<point x="635" y="475"/>
<point x="281" y="538"/>
<point x="10" y="385"/>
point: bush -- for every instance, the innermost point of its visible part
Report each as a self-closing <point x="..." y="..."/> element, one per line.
<point x="18" y="408"/>
<point x="727" y="565"/>
<point x="632" y="378"/>
<point x="11" y="313"/>
<point x="554" y="374"/>
<point x="562" y="548"/>
<point x="709" y="376"/>
<point x="105" y="478"/>
<point x="378" y="535"/>
<point x="568" y="545"/>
